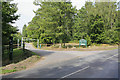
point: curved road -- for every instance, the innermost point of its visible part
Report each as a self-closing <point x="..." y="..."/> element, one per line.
<point x="71" y="64"/>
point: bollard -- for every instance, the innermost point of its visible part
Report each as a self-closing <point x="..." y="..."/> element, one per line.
<point x="40" y="45"/>
<point x="37" y="43"/>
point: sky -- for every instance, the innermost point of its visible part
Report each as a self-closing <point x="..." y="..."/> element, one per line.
<point x="26" y="7"/>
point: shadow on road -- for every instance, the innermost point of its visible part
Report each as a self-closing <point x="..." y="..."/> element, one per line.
<point x="38" y="51"/>
<point x="42" y="52"/>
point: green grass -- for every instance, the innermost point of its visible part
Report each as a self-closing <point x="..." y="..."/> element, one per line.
<point x="18" y="55"/>
<point x="7" y="71"/>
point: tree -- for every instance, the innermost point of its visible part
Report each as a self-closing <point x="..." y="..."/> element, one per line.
<point x="24" y="32"/>
<point x="95" y="20"/>
<point x="60" y="22"/>
<point x="52" y="23"/>
<point x="8" y="17"/>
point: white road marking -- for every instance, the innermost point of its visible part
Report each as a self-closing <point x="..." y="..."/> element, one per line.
<point x="74" y="72"/>
<point x="111" y="57"/>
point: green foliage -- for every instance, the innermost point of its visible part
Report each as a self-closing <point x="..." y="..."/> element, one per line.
<point x="52" y="23"/>
<point x="97" y="23"/>
<point x="60" y="22"/>
<point x="111" y="37"/>
<point x="55" y="46"/>
<point x="16" y="37"/>
<point x="88" y="40"/>
<point x="24" y="32"/>
<point x="8" y="71"/>
<point x="8" y="16"/>
<point x="35" y="44"/>
<point x="69" y="46"/>
<point x="18" y="55"/>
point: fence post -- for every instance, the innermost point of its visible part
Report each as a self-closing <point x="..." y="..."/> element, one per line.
<point x="23" y="46"/>
<point x="22" y="42"/>
<point x="37" y="43"/>
<point x="18" y="43"/>
<point x="11" y="48"/>
<point x="79" y="43"/>
<point x="40" y="45"/>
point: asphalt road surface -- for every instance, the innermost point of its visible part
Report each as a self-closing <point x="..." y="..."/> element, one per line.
<point x="72" y="64"/>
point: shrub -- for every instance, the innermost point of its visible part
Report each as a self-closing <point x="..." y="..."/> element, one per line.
<point x="56" y="46"/>
<point x="64" y="46"/>
<point x="35" y="44"/>
<point x="88" y="40"/>
<point x="69" y="46"/>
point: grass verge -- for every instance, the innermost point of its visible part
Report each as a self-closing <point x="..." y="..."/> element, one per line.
<point x="21" y="61"/>
<point x="75" y="47"/>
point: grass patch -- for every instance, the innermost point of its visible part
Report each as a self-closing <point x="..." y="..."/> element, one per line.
<point x="75" y="47"/>
<point x="8" y="71"/>
<point x="21" y="61"/>
<point x="18" y="55"/>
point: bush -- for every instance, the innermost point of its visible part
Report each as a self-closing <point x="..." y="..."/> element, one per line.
<point x="76" y="46"/>
<point x="69" y="46"/>
<point x="111" y="37"/>
<point x="35" y="44"/>
<point x="88" y="40"/>
<point x="56" y="46"/>
<point x="64" y="46"/>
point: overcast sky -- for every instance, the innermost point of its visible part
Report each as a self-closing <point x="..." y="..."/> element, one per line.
<point x="26" y="7"/>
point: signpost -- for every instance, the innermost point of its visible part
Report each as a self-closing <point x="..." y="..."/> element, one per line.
<point x="18" y="43"/>
<point x="37" y="43"/>
<point x="22" y="42"/>
<point x="40" y="45"/>
<point x="83" y="42"/>
<point x="11" y="48"/>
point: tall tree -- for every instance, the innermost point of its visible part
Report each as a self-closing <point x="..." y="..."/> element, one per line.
<point x="53" y="22"/>
<point x="8" y="17"/>
<point x="100" y="18"/>
<point x="24" y="32"/>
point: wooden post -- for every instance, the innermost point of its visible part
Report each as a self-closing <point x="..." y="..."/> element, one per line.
<point x="23" y="46"/>
<point x="11" y="48"/>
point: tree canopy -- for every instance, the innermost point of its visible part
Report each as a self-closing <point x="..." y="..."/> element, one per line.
<point x="8" y="17"/>
<point x="60" y="22"/>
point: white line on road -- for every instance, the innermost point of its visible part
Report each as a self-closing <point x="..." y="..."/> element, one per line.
<point x="74" y="72"/>
<point x="111" y="57"/>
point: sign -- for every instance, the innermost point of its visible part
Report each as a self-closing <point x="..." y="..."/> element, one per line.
<point x="83" y="42"/>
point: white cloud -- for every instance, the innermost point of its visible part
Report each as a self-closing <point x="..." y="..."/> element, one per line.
<point x="78" y="3"/>
<point x="25" y="9"/>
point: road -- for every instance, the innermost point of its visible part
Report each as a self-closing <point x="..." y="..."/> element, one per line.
<point x="72" y="64"/>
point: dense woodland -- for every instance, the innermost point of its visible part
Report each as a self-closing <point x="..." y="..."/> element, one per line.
<point x="8" y="18"/>
<point x="60" y="22"/>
